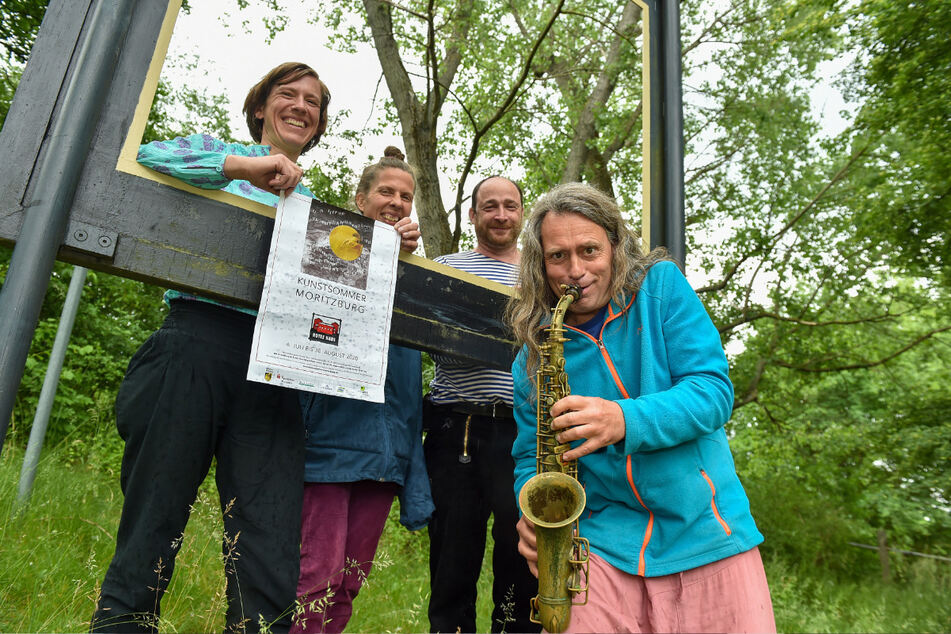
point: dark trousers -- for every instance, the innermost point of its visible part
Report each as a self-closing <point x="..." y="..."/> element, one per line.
<point x="184" y="401"/>
<point x="465" y="494"/>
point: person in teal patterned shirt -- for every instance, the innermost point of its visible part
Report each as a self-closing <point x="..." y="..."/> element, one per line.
<point x="185" y="399"/>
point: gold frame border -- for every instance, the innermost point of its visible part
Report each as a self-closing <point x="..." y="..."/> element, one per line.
<point x="130" y="149"/>
<point x="645" y="126"/>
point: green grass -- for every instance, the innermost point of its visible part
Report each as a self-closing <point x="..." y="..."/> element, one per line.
<point x="815" y="603"/>
<point x="53" y="557"/>
<point x="54" y="554"/>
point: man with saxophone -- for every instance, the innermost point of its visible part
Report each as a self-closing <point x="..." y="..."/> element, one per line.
<point x="672" y="543"/>
<point x="470" y="430"/>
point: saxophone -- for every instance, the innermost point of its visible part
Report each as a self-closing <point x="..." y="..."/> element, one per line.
<point x="553" y="499"/>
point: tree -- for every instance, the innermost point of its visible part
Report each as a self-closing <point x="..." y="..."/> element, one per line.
<point x="19" y="23"/>
<point x="853" y="452"/>
<point x="471" y="32"/>
<point x="792" y="227"/>
<point x="904" y="81"/>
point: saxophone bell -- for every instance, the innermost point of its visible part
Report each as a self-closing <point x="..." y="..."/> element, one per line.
<point x="552" y="499"/>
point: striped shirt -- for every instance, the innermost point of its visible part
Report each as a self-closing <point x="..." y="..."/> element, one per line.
<point x="458" y="381"/>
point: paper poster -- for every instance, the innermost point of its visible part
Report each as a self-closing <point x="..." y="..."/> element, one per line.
<point x="324" y="320"/>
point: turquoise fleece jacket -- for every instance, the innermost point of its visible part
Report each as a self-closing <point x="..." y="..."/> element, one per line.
<point x="666" y="498"/>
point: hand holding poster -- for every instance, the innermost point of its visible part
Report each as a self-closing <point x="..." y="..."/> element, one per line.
<point x="324" y="320"/>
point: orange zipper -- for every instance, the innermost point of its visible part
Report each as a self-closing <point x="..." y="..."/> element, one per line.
<point x="713" y="503"/>
<point x="641" y="564"/>
<point x="608" y="361"/>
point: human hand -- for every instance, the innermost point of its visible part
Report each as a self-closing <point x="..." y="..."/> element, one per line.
<point x="527" y="546"/>
<point x="409" y="234"/>
<point x="600" y="422"/>
<point x="272" y="173"/>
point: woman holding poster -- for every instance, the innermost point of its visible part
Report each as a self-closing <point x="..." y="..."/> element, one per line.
<point x="361" y="454"/>
<point x="185" y="398"/>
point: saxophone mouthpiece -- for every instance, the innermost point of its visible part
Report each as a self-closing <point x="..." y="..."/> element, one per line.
<point x="571" y="289"/>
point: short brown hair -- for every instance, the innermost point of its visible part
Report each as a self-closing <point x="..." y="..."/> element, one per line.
<point x="279" y="75"/>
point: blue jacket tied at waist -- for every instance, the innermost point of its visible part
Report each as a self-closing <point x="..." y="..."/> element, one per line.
<point x="349" y="440"/>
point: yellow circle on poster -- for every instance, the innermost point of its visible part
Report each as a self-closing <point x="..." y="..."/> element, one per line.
<point x="345" y="242"/>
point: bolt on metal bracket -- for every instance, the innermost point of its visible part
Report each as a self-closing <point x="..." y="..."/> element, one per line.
<point x="88" y="238"/>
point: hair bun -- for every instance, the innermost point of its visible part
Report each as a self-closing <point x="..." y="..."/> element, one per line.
<point x="394" y="152"/>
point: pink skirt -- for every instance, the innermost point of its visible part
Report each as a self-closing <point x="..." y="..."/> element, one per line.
<point x="730" y="595"/>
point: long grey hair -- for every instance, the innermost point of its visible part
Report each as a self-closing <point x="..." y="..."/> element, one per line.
<point x="532" y="303"/>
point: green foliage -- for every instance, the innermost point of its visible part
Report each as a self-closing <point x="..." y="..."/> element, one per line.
<point x="180" y="110"/>
<point x="9" y="79"/>
<point x="471" y="77"/>
<point x="804" y="601"/>
<point x="582" y="103"/>
<point x="205" y="112"/>
<point x="45" y="587"/>
<point x="395" y="597"/>
<point x="115" y="316"/>
<point x="19" y="22"/>
<point x="852" y="452"/>
<point x="903" y="83"/>
<point x="332" y="179"/>
<point x="48" y="587"/>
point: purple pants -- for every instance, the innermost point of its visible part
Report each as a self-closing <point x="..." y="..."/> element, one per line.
<point x="341" y="526"/>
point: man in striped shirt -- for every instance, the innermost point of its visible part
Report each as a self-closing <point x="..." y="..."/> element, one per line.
<point x="468" y="446"/>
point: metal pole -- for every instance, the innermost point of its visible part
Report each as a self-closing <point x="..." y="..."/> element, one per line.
<point x="674" y="237"/>
<point x="655" y="114"/>
<point x="666" y="130"/>
<point x="50" y="381"/>
<point x="46" y="218"/>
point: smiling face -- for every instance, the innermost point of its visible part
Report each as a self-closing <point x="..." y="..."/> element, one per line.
<point x="577" y="251"/>
<point x="497" y="214"/>
<point x="390" y="198"/>
<point x="290" y="116"/>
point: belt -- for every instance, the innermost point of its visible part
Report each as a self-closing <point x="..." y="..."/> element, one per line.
<point x="493" y="410"/>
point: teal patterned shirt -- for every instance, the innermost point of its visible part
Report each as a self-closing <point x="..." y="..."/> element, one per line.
<point x="199" y="160"/>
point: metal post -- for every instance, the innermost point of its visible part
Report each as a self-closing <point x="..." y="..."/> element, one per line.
<point x="666" y="129"/>
<point x="674" y="237"/>
<point x="38" y="431"/>
<point x="47" y="216"/>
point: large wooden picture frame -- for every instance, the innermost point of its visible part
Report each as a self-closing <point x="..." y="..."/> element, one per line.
<point x="131" y="221"/>
<point x="134" y="222"/>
